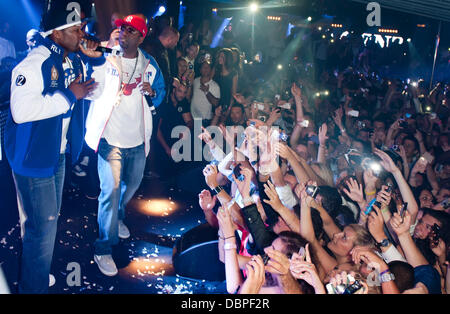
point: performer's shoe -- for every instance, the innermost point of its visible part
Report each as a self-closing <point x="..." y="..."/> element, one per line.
<point x="124" y="233"/>
<point x="106" y="265"/>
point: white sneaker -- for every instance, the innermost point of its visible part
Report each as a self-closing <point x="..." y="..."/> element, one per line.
<point x="124" y="233"/>
<point x="106" y="264"/>
<point x="78" y="171"/>
<point x="85" y="161"/>
<point x="51" y="280"/>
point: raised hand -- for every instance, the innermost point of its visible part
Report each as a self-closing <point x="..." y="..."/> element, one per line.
<point x="205" y="200"/>
<point x="274" y="199"/>
<point x="210" y="173"/>
<point x="256" y="276"/>
<point x="206" y="137"/>
<point x="278" y="263"/>
<point x="323" y="134"/>
<point x="354" y="191"/>
<point x="400" y="225"/>
<point x="244" y="186"/>
<point x="384" y="197"/>
<point x="386" y="161"/>
<point x="283" y="151"/>
<point x="296" y="91"/>
<point x="302" y="268"/>
<point x="226" y="223"/>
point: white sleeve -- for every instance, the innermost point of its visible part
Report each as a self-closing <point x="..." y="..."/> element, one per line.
<point x="286" y="196"/>
<point x="217" y="153"/>
<point x="214" y="89"/>
<point x="27" y="101"/>
<point x="99" y="75"/>
<point x="223" y="164"/>
<point x="392" y="254"/>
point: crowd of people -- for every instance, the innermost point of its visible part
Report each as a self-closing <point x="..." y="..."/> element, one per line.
<point x="323" y="177"/>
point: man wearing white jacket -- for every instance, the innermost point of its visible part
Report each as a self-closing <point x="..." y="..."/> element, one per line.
<point x="119" y="127"/>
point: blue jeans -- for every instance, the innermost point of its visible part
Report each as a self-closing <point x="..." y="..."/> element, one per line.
<point x="120" y="171"/>
<point x="39" y="199"/>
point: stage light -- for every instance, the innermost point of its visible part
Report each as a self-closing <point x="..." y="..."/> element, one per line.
<point x="254" y="7"/>
<point x="408" y="40"/>
<point x="414" y="84"/>
<point x="332" y="41"/>
<point x="428" y="108"/>
<point x="344" y="34"/>
<point x="309" y="19"/>
<point x="162" y="9"/>
<point x="326" y="93"/>
<point x="319" y="28"/>
<point x="324" y="36"/>
<point x="214" y="10"/>
<point x="317" y="94"/>
<point x="156" y="207"/>
<point x="280" y="67"/>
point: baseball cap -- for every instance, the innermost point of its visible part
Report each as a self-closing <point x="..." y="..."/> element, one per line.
<point x="62" y="14"/>
<point x="134" y="21"/>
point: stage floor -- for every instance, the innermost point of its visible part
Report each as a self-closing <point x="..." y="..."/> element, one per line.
<point x="157" y="216"/>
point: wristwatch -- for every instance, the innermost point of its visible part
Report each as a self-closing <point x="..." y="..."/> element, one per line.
<point x="383" y="243"/>
<point x="386" y="277"/>
<point x="217" y="189"/>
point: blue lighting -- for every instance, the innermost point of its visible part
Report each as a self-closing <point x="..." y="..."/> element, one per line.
<point x="218" y="35"/>
<point x="162" y="9"/>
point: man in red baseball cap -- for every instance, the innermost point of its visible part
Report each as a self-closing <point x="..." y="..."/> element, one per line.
<point x="134" y="21"/>
<point x="119" y="127"/>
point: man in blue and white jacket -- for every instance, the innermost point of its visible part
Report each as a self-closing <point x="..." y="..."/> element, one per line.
<point x="47" y="92"/>
<point x="119" y="126"/>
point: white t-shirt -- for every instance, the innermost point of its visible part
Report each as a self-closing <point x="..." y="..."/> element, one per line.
<point x="201" y="108"/>
<point x="125" y="128"/>
<point x="69" y="77"/>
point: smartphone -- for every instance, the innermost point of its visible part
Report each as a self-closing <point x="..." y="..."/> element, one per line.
<point x="351" y="289"/>
<point x="265" y="258"/>
<point x="305" y="123"/>
<point x="312" y="190"/>
<point x="403" y="124"/>
<point x="428" y="157"/>
<point x="353" y="113"/>
<point x="403" y="210"/>
<point x="369" y="207"/>
<point x="285" y="106"/>
<point x="389" y="188"/>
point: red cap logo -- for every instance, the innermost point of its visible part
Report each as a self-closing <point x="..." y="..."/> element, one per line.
<point x="134" y="21"/>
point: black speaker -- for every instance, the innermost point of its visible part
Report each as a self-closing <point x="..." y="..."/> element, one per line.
<point x="196" y="255"/>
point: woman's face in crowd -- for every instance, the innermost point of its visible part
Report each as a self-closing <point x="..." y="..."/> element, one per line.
<point x="221" y="58"/>
<point x="426" y="199"/>
<point x="343" y="242"/>
<point x="424" y="226"/>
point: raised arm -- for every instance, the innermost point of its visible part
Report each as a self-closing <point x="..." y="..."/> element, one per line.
<point x="405" y="190"/>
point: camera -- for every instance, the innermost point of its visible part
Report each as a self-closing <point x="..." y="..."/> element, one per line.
<point x="361" y="125"/>
<point x="389" y="188"/>
<point x="403" y="124"/>
<point x="312" y="190"/>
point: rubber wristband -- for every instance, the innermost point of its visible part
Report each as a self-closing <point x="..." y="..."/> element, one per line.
<point x="370" y="193"/>
<point x="384" y="272"/>
<point x="230" y="237"/>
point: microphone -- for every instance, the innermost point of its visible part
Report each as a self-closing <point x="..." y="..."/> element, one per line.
<point x="150" y="104"/>
<point x="108" y="51"/>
